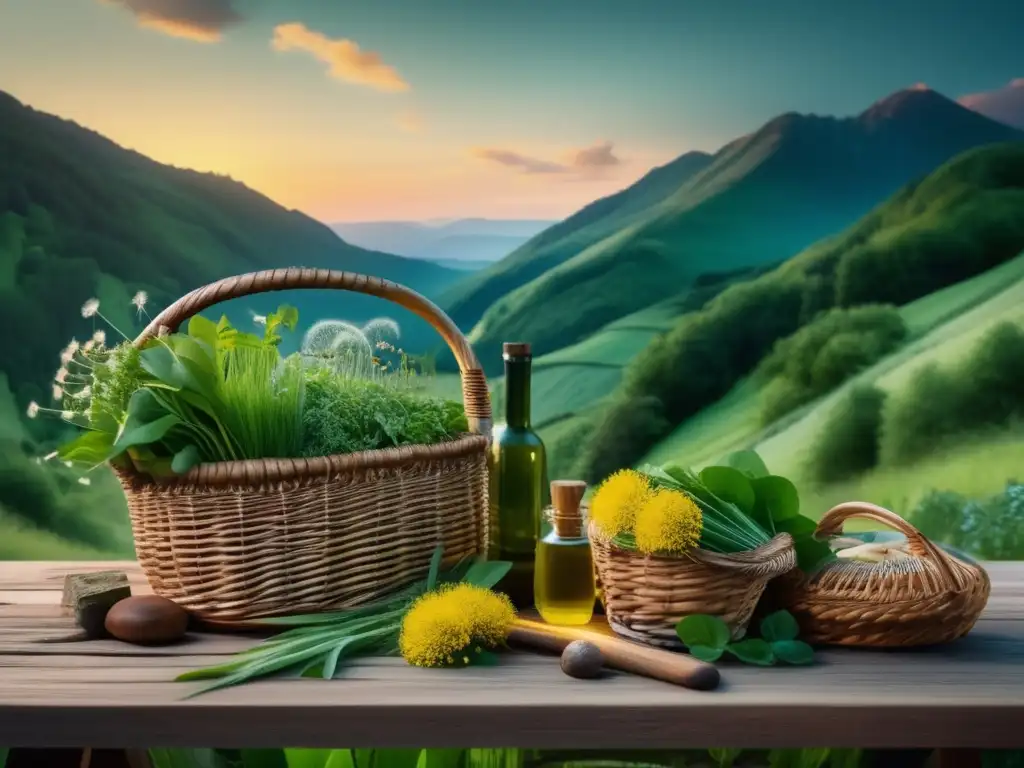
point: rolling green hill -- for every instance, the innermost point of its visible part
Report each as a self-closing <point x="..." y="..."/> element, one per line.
<point x="81" y="216"/>
<point x="965" y="218"/>
<point x="760" y="199"/>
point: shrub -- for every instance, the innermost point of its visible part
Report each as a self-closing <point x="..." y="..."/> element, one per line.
<point x="822" y="355"/>
<point x="847" y="444"/>
<point x="625" y="432"/>
<point x="982" y="391"/>
<point x="991" y="529"/>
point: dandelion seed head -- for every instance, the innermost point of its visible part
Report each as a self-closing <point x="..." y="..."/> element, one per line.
<point x="139" y="300"/>
<point x="58" y="392"/>
<point x="61" y="376"/>
<point x="90" y="308"/>
<point x="259" y="319"/>
<point x="87" y="347"/>
<point x="100" y="337"/>
<point x="33" y="410"/>
<point x="84" y="481"/>
<point x="67" y="415"/>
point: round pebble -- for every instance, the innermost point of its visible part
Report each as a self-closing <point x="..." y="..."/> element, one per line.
<point x="147" y="620"/>
<point x="582" y="660"/>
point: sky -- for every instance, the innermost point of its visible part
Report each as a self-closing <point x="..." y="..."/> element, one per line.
<point x="418" y="109"/>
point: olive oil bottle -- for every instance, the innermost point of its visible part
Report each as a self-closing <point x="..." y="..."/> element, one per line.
<point x="518" y="479"/>
<point x="564" y="575"/>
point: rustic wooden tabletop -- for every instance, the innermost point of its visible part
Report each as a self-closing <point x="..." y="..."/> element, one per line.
<point x="106" y="694"/>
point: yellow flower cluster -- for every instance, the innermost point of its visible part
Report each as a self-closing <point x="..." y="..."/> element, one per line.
<point x="669" y="522"/>
<point x="443" y="627"/>
<point x="661" y="520"/>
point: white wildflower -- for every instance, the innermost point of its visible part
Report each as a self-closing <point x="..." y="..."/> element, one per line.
<point x="67" y="415"/>
<point x="139" y="300"/>
<point x="87" y="347"/>
<point x="85" y="393"/>
<point x="50" y="456"/>
<point x="90" y="308"/>
<point x="84" y="481"/>
<point x="72" y="346"/>
<point x="58" y="391"/>
<point x="61" y="375"/>
<point x="33" y="410"/>
<point x="100" y="337"/>
<point x="68" y="464"/>
<point x="259" y="319"/>
<point x="66" y="357"/>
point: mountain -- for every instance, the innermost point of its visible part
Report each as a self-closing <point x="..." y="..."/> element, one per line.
<point x="760" y="199"/>
<point x="81" y="216"/>
<point x="477" y="240"/>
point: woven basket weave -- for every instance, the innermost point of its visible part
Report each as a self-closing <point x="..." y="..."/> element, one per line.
<point x="235" y="541"/>
<point x="645" y="597"/>
<point x="927" y="599"/>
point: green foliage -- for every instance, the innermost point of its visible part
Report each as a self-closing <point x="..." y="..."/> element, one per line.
<point x="974" y="200"/>
<point x="847" y="443"/>
<point x="941" y="403"/>
<point x="345" y="415"/>
<point x="990" y="528"/>
<point x="315" y="644"/>
<point x="825" y="353"/>
<point x="708" y="638"/>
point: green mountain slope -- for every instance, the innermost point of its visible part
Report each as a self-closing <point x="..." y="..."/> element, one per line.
<point x="81" y="216"/>
<point x="468" y="301"/>
<point x="761" y="199"/>
<point x="965" y="218"/>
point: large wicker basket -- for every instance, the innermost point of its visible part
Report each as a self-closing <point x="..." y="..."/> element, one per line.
<point x="929" y="598"/>
<point x="645" y="597"/>
<point x="235" y="541"/>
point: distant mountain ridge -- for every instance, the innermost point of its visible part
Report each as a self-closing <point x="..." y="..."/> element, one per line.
<point x="81" y="216"/>
<point x="761" y="198"/>
<point x="472" y="239"/>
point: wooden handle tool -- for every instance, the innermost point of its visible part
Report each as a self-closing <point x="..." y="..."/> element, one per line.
<point x="670" y="667"/>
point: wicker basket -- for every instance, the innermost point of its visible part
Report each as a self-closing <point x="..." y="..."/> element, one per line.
<point x="927" y="599"/>
<point x="235" y="541"/>
<point x="645" y="597"/>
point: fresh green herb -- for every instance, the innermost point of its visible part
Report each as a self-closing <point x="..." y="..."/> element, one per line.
<point x="345" y="415"/>
<point x="707" y="638"/>
<point x="315" y="644"/>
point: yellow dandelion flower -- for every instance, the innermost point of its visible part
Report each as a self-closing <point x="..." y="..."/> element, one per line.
<point x="617" y="501"/>
<point x="669" y="522"/>
<point x="442" y="626"/>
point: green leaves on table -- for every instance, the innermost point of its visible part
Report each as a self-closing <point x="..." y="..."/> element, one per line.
<point x="708" y="638"/>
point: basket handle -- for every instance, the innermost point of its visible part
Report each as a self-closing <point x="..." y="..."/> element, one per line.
<point x="831" y="524"/>
<point x="476" y="398"/>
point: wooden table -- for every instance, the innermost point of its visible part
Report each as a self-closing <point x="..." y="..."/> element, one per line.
<point x="107" y="694"/>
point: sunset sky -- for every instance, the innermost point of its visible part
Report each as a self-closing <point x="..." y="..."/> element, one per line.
<point x="414" y="109"/>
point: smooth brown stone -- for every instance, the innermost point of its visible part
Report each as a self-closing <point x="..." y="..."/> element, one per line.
<point x="147" y="620"/>
<point x="582" y="660"/>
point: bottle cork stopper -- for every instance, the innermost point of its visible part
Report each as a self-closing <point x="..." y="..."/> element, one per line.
<point x="566" y="496"/>
<point x="516" y="349"/>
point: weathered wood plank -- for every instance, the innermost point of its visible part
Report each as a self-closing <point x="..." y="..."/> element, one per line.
<point x="107" y="694"/>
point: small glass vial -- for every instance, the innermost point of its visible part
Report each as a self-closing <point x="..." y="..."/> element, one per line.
<point x="563" y="585"/>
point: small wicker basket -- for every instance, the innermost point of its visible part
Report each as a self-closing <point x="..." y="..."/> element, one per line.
<point x="240" y="540"/>
<point x="645" y="597"/>
<point x="929" y="598"/>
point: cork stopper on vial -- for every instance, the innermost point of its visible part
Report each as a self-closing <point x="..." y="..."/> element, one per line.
<point x="567" y="516"/>
<point x="516" y="349"/>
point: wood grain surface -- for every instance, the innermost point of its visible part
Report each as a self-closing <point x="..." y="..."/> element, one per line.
<point x="106" y="694"/>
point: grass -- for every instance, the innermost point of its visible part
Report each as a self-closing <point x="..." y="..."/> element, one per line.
<point x="732" y="422"/>
<point x="19" y="541"/>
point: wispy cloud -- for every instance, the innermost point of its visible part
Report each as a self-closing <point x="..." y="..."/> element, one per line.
<point x="410" y="121"/>
<point x="344" y="58"/>
<point x="201" y="20"/>
<point x="1005" y="104"/>
<point x="585" y="161"/>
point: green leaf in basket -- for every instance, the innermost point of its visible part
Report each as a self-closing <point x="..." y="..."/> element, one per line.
<point x="185" y="459"/>
<point x="88" y="448"/>
<point x="777" y="501"/>
<point x="487" y="573"/>
<point x="747" y="462"/>
<point x="779" y="626"/>
<point x="794" y="652"/>
<point x="730" y="485"/>
<point x="753" y="650"/>
<point x="435" y="566"/>
<point x="703" y="630"/>
<point x="706" y="652"/>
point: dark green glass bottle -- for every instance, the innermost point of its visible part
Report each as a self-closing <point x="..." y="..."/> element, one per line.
<point x="518" y="480"/>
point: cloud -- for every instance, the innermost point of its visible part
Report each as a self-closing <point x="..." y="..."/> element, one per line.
<point x="410" y="121"/>
<point x="201" y="20"/>
<point x="1004" y="104"/>
<point x="345" y="59"/>
<point x="585" y="161"/>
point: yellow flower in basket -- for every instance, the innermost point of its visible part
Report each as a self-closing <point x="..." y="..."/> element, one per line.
<point x="618" y="501"/>
<point x="670" y="523"/>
